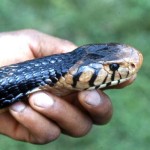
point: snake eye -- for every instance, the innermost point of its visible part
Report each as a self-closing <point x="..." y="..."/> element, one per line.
<point x="114" y="67"/>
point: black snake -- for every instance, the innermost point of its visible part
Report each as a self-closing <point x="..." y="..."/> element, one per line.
<point x="88" y="67"/>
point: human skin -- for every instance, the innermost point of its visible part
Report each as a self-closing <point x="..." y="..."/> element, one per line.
<point x="46" y="116"/>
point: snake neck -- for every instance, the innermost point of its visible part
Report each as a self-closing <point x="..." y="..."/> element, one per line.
<point x="53" y="67"/>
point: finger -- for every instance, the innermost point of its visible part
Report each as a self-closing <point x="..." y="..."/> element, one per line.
<point x="32" y="126"/>
<point x="97" y="104"/>
<point x="70" y="119"/>
<point x="42" y="44"/>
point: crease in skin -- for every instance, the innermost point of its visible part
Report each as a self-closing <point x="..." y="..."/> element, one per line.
<point x="92" y="66"/>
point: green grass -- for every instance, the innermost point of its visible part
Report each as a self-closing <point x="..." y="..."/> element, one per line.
<point x="86" y="21"/>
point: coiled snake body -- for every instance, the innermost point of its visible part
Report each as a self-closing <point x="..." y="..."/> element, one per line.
<point x="88" y="67"/>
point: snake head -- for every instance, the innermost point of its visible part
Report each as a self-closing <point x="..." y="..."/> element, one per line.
<point x="103" y="65"/>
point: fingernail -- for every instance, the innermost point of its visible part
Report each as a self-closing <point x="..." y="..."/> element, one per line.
<point x="18" y="107"/>
<point x="43" y="100"/>
<point x="92" y="98"/>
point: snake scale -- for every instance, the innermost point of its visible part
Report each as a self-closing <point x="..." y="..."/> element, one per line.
<point x="92" y="66"/>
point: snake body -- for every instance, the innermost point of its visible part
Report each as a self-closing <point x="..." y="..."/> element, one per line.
<point x="88" y="67"/>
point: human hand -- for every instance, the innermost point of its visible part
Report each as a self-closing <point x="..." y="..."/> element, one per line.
<point x="47" y="115"/>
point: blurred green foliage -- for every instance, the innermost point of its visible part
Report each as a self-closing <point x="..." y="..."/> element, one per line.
<point x="86" y="21"/>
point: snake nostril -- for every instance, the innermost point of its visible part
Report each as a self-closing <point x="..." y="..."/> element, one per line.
<point x="133" y="65"/>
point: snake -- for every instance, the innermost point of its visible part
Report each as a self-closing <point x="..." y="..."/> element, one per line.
<point x="88" y="67"/>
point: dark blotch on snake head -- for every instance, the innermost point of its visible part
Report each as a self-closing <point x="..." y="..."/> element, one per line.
<point x="110" y="52"/>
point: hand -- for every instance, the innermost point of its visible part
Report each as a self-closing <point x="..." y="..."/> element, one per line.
<point x="47" y="115"/>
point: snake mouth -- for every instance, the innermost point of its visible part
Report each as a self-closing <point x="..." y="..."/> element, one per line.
<point x="112" y="83"/>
